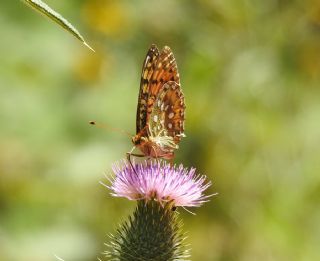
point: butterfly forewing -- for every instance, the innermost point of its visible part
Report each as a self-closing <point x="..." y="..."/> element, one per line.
<point x="148" y="69"/>
<point x="158" y="68"/>
<point x="166" y="70"/>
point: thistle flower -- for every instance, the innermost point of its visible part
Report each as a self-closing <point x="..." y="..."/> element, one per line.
<point x="154" y="231"/>
<point x="159" y="181"/>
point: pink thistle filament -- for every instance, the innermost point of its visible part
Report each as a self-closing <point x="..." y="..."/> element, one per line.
<point x="159" y="181"/>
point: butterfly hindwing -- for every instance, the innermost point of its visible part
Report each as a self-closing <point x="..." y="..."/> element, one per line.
<point x="168" y="113"/>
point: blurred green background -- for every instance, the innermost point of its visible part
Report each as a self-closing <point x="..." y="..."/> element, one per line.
<point x="250" y="75"/>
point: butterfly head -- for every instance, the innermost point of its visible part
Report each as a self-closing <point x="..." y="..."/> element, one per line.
<point x="136" y="140"/>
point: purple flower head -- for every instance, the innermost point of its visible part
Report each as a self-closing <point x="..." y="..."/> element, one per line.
<point x="161" y="182"/>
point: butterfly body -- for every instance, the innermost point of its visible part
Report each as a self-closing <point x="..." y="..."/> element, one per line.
<point x="154" y="147"/>
<point x="160" y="111"/>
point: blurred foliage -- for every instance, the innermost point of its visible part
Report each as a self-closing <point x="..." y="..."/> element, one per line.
<point x="250" y="74"/>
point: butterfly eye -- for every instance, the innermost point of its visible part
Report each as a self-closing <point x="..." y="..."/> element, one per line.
<point x="136" y="140"/>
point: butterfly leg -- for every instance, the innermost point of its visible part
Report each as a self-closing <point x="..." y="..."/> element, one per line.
<point x="129" y="158"/>
<point x="172" y="162"/>
<point x="157" y="156"/>
<point x="170" y="157"/>
<point x="135" y="155"/>
<point x="129" y="154"/>
<point x="155" y="152"/>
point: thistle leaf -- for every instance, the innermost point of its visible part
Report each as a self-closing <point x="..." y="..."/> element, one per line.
<point x="46" y="10"/>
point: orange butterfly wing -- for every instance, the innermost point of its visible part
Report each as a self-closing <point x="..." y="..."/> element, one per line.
<point x="158" y="69"/>
<point x="168" y="113"/>
<point x="148" y="68"/>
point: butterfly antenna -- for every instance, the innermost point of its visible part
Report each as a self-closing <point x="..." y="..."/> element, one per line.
<point x="107" y="127"/>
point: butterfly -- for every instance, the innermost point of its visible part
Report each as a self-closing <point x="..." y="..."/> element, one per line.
<point x="161" y="107"/>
